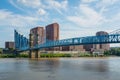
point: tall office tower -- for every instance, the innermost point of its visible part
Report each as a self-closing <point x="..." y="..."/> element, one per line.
<point x="52" y="32"/>
<point x="36" y="36"/>
<point x="102" y="46"/>
<point x="9" y="45"/>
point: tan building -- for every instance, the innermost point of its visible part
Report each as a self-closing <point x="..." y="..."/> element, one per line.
<point x="37" y="36"/>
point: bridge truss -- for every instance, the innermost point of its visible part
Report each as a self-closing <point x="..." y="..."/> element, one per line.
<point x="22" y="43"/>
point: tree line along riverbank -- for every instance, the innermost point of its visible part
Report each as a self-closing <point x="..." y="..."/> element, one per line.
<point x="47" y="55"/>
<point x="111" y="52"/>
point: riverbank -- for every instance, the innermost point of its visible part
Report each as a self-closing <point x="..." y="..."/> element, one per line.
<point x="14" y="55"/>
<point x="52" y="55"/>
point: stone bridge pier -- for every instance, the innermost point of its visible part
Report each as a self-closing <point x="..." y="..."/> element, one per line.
<point x="34" y="54"/>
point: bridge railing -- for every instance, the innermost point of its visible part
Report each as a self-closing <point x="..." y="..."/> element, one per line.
<point x="115" y="38"/>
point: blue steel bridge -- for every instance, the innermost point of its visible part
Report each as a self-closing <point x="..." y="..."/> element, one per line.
<point x="22" y="43"/>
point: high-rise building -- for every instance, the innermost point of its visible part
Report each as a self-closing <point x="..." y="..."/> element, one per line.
<point x="36" y="36"/>
<point x="52" y="32"/>
<point x="9" y="45"/>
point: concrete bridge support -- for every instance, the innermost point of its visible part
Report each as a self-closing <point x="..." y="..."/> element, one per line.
<point x="34" y="54"/>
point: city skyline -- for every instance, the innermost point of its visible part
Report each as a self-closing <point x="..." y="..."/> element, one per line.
<point x="76" y="18"/>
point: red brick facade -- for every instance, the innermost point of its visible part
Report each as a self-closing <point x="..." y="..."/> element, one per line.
<point x="52" y="32"/>
<point x="9" y="45"/>
<point x="37" y="36"/>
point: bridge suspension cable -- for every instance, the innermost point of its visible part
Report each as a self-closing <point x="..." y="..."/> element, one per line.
<point x="115" y="32"/>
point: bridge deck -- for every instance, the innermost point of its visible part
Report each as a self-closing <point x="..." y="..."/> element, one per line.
<point x="104" y="39"/>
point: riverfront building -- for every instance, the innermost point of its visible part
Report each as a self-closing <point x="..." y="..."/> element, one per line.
<point x="102" y="46"/>
<point x="52" y="32"/>
<point x="9" y="45"/>
<point x="9" y="48"/>
<point x="97" y="47"/>
<point x="73" y="48"/>
<point x="37" y="36"/>
<point x="89" y="47"/>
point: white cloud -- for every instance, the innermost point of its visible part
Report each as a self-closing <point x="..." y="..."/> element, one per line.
<point x="41" y="12"/>
<point x="30" y="3"/>
<point x="77" y="33"/>
<point x="101" y="2"/>
<point x="88" y="17"/>
<point x="58" y="5"/>
<point x="106" y="3"/>
<point x="22" y="23"/>
<point x="16" y="6"/>
<point x="88" y="1"/>
<point x="40" y="4"/>
<point x="116" y="17"/>
<point x="114" y="21"/>
<point x="8" y="18"/>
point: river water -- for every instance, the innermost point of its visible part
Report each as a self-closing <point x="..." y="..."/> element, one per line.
<point x="60" y="69"/>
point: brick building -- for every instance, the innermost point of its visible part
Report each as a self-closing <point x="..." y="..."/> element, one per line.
<point x="72" y="48"/>
<point x="99" y="47"/>
<point x="89" y="47"/>
<point x="37" y="36"/>
<point x="102" y="46"/>
<point x="52" y="32"/>
<point x="9" y="45"/>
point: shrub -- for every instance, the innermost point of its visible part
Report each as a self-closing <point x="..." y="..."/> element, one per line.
<point x="54" y="55"/>
<point x="14" y="55"/>
<point x="7" y="55"/>
<point x="23" y="56"/>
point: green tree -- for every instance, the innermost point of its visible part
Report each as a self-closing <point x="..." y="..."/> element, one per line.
<point x="115" y="51"/>
<point x="106" y="53"/>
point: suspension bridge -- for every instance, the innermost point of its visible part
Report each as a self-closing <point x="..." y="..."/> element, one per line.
<point x="22" y="43"/>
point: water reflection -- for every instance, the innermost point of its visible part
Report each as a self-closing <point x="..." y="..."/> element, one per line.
<point x="60" y="69"/>
<point x="45" y="65"/>
<point x="96" y="66"/>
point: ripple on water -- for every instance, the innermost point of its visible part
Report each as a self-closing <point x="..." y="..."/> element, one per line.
<point x="60" y="69"/>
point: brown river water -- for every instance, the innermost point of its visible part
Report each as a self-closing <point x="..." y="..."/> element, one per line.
<point x="60" y="69"/>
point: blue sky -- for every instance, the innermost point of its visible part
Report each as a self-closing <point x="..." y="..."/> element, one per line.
<point x="76" y="18"/>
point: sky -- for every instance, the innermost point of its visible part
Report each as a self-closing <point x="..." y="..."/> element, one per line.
<point x="76" y="18"/>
